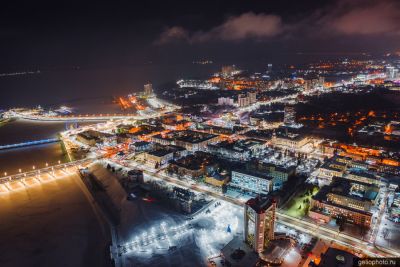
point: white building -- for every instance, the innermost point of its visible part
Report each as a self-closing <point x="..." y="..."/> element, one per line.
<point x="247" y="181"/>
<point x="226" y="101"/>
<point x="198" y="84"/>
<point x="148" y="89"/>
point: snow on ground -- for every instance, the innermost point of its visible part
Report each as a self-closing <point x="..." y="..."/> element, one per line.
<point x="170" y="241"/>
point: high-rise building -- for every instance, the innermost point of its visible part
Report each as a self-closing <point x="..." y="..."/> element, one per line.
<point x="321" y="81"/>
<point x="252" y="97"/>
<point x="289" y="116"/>
<point x="392" y="73"/>
<point x="269" y="68"/>
<point x="307" y="85"/>
<point x="148" y="89"/>
<point x="226" y="101"/>
<point x="259" y="222"/>
<point x="243" y="100"/>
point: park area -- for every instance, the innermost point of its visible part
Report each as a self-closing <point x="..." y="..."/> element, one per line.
<point x="299" y="205"/>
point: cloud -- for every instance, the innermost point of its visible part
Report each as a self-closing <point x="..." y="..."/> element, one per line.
<point x="343" y="18"/>
<point x="173" y="34"/>
<point x="363" y="18"/>
<point x="245" y="26"/>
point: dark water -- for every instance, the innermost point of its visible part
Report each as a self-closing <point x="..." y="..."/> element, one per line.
<point x="85" y="90"/>
<point x="24" y="158"/>
<point x="69" y="86"/>
<point x="22" y="131"/>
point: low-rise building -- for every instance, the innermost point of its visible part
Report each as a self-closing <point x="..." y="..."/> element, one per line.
<point x="185" y="198"/>
<point x="161" y="155"/>
<point x="395" y="208"/>
<point x="289" y="140"/>
<point x="237" y="150"/>
<point x="246" y="180"/>
<point x="334" y="257"/>
<point x="280" y="174"/>
<point x="217" y="179"/>
<point x="362" y="176"/>
<point x="347" y="199"/>
<point x="328" y="171"/>
<point x="141" y="146"/>
<point x="91" y="137"/>
<point x="190" y="140"/>
<point x="191" y="166"/>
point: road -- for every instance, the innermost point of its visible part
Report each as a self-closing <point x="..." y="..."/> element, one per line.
<point x="40" y="172"/>
<point x="314" y="229"/>
<point x="87" y="117"/>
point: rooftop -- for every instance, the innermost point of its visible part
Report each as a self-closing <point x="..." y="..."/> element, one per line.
<point x="195" y="161"/>
<point x="348" y="188"/>
<point x="239" y="254"/>
<point x="165" y="150"/>
<point x="186" y="136"/>
<point x="260" y="204"/>
<point x="334" y="257"/>
<point x="254" y="173"/>
<point x="239" y="146"/>
<point x="362" y="173"/>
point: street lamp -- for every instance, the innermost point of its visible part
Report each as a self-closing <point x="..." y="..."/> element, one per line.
<point x="19" y="170"/>
<point x="33" y="167"/>
<point x="5" y="173"/>
<point x="59" y="162"/>
<point x="47" y="165"/>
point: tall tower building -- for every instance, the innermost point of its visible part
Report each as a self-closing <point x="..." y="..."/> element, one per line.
<point x="289" y="116"/>
<point x="321" y="81"/>
<point x="243" y="100"/>
<point x="148" y="89"/>
<point x="252" y="97"/>
<point x="259" y="222"/>
<point x="307" y="85"/>
<point x="390" y="72"/>
<point x="269" y="68"/>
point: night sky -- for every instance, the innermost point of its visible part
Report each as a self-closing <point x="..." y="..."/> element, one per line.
<point x="118" y="33"/>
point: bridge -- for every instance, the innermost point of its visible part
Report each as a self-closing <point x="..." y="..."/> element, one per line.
<point x="88" y="117"/>
<point x="29" y="143"/>
<point x="35" y="177"/>
<point x="80" y="117"/>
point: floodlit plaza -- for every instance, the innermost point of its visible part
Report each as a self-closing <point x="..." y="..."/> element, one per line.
<point x="203" y="236"/>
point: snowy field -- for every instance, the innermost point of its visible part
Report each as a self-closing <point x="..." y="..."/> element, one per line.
<point x="174" y="241"/>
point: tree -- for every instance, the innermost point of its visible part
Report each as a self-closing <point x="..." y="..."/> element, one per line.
<point x="224" y="188"/>
<point x="341" y="221"/>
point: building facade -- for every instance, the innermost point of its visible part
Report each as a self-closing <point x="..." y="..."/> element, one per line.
<point x="259" y="223"/>
<point x="252" y="182"/>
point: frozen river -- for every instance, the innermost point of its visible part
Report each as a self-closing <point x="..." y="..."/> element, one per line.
<point x="52" y="224"/>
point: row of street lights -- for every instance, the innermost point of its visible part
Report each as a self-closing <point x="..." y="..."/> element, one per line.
<point x="33" y="168"/>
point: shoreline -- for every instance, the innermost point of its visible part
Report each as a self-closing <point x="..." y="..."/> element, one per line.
<point x="102" y="201"/>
